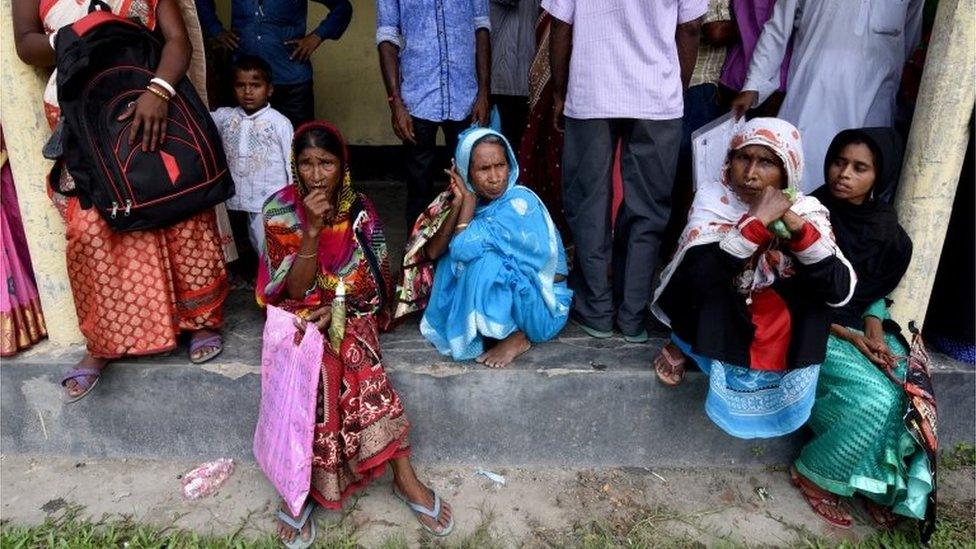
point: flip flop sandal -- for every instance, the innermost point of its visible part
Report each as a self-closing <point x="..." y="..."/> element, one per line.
<point x="676" y="367"/>
<point x="298" y="524"/>
<point x="434" y="513"/>
<point x="817" y="503"/>
<point x="81" y="377"/>
<point x="215" y="342"/>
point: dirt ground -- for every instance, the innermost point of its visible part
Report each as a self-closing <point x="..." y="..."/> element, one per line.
<point x="535" y="507"/>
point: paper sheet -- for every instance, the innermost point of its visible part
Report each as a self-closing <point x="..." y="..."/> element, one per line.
<point x="709" y="145"/>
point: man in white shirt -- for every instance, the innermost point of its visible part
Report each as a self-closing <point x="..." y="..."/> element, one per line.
<point x="845" y="70"/>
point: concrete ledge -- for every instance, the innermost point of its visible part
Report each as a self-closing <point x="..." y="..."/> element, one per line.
<point x="576" y="401"/>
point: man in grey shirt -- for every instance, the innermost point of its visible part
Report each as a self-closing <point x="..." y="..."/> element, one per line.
<point x="512" y="50"/>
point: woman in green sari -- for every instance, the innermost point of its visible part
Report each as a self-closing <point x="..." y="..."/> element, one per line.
<point x="861" y="445"/>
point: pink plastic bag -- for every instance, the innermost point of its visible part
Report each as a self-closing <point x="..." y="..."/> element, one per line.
<point x="286" y="423"/>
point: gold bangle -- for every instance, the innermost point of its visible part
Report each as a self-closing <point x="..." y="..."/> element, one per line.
<point x="158" y="93"/>
<point x="460" y="226"/>
<point x="312" y="255"/>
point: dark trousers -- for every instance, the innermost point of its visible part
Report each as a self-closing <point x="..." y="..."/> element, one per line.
<point x="246" y="265"/>
<point x="649" y="153"/>
<point x="295" y="101"/>
<point x="421" y="162"/>
<point x="514" y="112"/>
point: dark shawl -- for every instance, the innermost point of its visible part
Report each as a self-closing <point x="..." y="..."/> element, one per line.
<point x="869" y="234"/>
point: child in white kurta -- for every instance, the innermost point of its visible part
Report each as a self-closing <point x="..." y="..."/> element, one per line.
<point x="257" y="143"/>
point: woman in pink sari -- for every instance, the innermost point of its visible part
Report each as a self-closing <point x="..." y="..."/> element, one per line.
<point x="21" y="320"/>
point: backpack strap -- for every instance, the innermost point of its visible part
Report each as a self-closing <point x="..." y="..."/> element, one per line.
<point x="97" y="5"/>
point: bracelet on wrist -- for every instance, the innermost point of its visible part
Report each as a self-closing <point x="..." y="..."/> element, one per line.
<point x="158" y="93"/>
<point x="166" y="86"/>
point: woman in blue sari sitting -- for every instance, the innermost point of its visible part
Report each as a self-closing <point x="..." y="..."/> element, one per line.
<point x="500" y="279"/>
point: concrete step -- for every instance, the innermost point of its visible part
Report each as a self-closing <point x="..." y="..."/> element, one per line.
<point x="575" y="401"/>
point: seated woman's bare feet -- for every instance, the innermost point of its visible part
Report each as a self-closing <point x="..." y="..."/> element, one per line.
<point x="286" y="532"/>
<point x="75" y="389"/>
<point x="505" y="351"/>
<point x="415" y="491"/>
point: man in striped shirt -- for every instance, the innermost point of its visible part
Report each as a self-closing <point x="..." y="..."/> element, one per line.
<point x="619" y="71"/>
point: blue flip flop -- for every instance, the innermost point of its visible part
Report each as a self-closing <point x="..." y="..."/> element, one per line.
<point x="81" y="376"/>
<point x="434" y="513"/>
<point x="298" y="524"/>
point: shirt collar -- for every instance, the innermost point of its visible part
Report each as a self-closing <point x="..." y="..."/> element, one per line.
<point x="255" y="114"/>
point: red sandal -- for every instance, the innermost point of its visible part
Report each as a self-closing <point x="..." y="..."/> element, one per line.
<point x="820" y="501"/>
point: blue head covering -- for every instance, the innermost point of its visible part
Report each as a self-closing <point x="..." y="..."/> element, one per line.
<point x="465" y="147"/>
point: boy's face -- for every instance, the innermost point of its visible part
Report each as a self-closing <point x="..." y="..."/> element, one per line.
<point x="251" y="90"/>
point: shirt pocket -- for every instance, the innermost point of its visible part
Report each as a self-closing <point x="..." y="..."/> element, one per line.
<point x="888" y="16"/>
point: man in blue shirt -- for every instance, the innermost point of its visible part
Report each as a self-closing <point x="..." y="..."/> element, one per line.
<point x="275" y="30"/>
<point x="436" y="61"/>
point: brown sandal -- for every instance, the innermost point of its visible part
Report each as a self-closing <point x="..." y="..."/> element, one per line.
<point x="670" y="370"/>
<point x="820" y="500"/>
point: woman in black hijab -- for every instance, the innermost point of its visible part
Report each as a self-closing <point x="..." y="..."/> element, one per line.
<point x="861" y="445"/>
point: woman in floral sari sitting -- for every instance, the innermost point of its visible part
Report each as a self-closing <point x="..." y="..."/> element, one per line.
<point x="324" y="239"/>
<point x="500" y="279"/>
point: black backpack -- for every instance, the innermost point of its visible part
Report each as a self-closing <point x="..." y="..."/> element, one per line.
<point x="105" y="62"/>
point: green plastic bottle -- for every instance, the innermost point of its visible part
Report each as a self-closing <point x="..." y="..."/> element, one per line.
<point x="777" y="227"/>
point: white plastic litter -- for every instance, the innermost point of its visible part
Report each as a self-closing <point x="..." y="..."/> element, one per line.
<point x="494" y="477"/>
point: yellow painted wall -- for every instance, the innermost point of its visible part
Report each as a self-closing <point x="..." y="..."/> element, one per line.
<point x="349" y="89"/>
<point x="25" y="130"/>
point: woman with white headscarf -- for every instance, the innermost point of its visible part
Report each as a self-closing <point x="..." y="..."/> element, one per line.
<point x="748" y="294"/>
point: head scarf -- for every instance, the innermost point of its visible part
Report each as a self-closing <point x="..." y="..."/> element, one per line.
<point x="336" y="241"/>
<point x="869" y="234"/>
<point x="465" y="149"/>
<point x="716" y="209"/>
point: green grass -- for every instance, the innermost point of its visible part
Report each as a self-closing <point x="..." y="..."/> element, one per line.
<point x="963" y="455"/>
<point x="644" y="529"/>
<point x="68" y="529"/>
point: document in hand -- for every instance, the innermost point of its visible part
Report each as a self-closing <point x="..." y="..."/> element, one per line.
<point x="710" y="145"/>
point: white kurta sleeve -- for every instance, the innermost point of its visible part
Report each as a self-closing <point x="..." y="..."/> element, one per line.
<point x="764" y="68"/>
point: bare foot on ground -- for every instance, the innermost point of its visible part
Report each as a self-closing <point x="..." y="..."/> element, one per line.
<point x="505" y="351"/>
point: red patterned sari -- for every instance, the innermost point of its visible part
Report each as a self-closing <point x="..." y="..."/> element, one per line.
<point x="360" y="423"/>
<point x="135" y="292"/>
